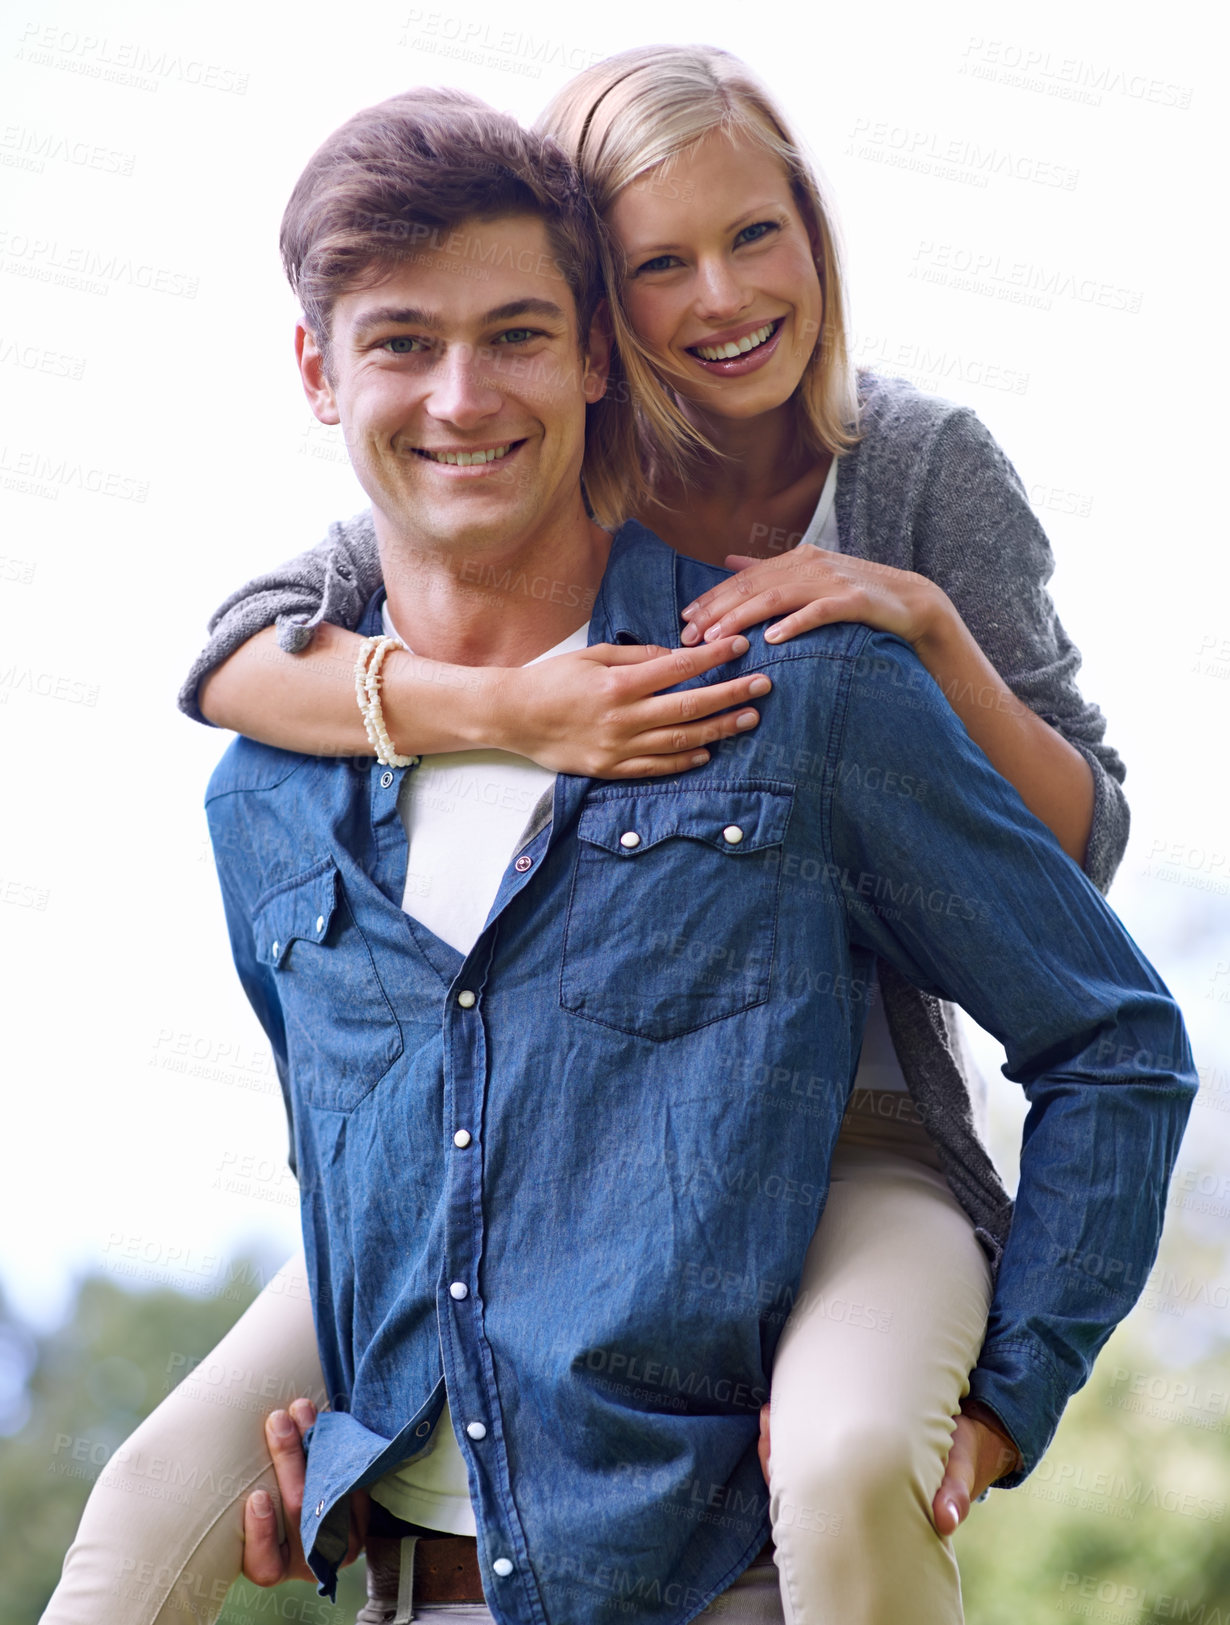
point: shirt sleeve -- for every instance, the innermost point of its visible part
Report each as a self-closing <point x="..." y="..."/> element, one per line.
<point x="332" y="581"/>
<point x="977" y="536"/>
<point x="946" y="874"/>
<point x="256" y="979"/>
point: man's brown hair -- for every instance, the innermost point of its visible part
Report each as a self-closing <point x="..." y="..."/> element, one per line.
<point x="398" y="178"/>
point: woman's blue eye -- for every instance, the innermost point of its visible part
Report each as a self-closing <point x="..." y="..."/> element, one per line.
<point x="753" y="234"/>
<point x="660" y="262"/>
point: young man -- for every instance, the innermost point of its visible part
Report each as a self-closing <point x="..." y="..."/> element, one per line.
<point x="536" y="1077"/>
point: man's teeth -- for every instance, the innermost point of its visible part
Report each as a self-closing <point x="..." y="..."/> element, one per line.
<point x="727" y="352"/>
<point x="466" y="459"/>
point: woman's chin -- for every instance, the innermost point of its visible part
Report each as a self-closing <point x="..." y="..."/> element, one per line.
<point x="728" y="403"/>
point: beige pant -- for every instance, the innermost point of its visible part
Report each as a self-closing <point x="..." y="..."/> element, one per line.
<point x="161" y="1538"/>
<point x="872" y="1365"/>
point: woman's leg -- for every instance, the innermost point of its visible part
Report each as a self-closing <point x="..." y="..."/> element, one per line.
<point x="871" y="1368"/>
<point x="161" y="1538"/>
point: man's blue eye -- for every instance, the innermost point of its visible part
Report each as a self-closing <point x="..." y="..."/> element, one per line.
<point x="516" y="335"/>
<point x="402" y="344"/>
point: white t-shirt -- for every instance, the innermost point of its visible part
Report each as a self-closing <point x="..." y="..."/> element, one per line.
<point x="463" y="813"/>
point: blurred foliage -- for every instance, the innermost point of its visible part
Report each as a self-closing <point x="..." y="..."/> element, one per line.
<point x="1127" y="1519"/>
<point x="69" y="1399"/>
<point x="1126" y="1522"/>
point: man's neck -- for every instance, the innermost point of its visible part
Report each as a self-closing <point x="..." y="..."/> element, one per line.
<point x="488" y="606"/>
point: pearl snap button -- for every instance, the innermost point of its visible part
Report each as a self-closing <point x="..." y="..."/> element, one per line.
<point x="423" y="1429"/>
<point x="502" y="1567"/>
<point x="276" y="946"/>
<point x="459" y="1290"/>
<point x="320" y="1507"/>
<point x="467" y="1000"/>
<point x="385" y="780"/>
<point x="522" y="864"/>
<point x="733" y="834"/>
<point x="462" y="1138"/>
<point x="320" y="922"/>
<point x="476" y="1430"/>
<point x="629" y="839"/>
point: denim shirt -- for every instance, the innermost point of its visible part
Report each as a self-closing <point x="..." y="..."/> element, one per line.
<point x="572" y="1175"/>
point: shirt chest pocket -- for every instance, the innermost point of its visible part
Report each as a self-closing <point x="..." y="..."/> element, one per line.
<point x="341" y="1033"/>
<point x="672" y="919"/>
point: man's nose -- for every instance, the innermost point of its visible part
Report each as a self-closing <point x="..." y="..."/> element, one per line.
<point x="461" y="391"/>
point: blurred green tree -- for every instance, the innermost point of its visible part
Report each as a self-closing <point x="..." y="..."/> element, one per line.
<point x="68" y="1399"/>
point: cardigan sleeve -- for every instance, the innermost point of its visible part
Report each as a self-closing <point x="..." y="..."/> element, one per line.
<point x="332" y="581"/>
<point x="977" y="536"/>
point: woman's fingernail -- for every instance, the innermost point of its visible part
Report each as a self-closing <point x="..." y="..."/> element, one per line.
<point x="740" y="646"/>
<point x="701" y="757"/>
<point x="746" y="719"/>
<point x="759" y="686"/>
<point x="282" y="1425"/>
<point x="773" y="634"/>
<point x="689" y="611"/>
<point x="689" y="635"/>
<point x="261" y="1503"/>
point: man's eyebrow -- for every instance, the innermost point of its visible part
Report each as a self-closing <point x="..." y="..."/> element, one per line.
<point x="395" y="316"/>
<point x="411" y="316"/>
<point x="546" y="308"/>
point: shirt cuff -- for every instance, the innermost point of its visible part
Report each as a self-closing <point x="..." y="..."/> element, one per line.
<point x="1017" y="1379"/>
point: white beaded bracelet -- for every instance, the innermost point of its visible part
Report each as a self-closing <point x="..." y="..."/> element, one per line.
<point x="367" y="691"/>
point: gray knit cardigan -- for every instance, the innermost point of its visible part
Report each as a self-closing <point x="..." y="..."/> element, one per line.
<point x="926" y="488"/>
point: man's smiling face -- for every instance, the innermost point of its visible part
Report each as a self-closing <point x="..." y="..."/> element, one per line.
<point x="461" y="384"/>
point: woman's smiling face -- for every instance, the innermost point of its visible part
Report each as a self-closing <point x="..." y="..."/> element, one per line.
<point x="721" y="284"/>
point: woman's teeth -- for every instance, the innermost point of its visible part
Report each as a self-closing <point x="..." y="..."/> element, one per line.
<point x="727" y="352"/>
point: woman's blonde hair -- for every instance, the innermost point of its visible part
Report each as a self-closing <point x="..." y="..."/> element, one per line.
<point x="626" y="116"/>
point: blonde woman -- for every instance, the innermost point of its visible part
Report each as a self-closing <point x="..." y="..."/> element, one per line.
<point x="736" y="428"/>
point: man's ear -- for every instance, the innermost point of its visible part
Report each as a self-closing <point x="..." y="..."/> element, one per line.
<point x="596" y="354"/>
<point x="316" y="385"/>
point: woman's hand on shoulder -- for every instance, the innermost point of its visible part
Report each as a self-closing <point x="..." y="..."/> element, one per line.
<point x="600" y="713"/>
<point x="809" y="587"/>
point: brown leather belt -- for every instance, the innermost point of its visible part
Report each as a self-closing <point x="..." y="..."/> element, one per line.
<point x="445" y="1570"/>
